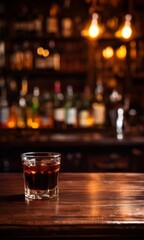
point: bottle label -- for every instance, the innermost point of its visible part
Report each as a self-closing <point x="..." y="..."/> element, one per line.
<point x="99" y="113"/>
<point x="71" y="116"/>
<point x="83" y="116"/>
<point x="67" y="27"/>
<point x="4" y="115"/>
<point x="59" y="114"/>
<point x="52" y="25"/>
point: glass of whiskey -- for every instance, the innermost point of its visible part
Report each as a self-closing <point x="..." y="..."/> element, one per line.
<point x="40" y="174"/>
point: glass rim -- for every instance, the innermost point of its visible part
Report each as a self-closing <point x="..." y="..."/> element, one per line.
<point x="40" y="154"/>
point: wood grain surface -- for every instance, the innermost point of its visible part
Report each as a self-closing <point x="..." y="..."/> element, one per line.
<point x="96" y="205"/>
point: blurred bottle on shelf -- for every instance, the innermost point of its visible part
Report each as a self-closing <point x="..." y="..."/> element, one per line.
<point x="2" y="54"/>
<point x="13" y="116"/>
<point x="46" y="111"/>
<point x="115" y="99"/>
<point x="58" y="106"/>
<point x="98" y="105"/>
<point x="84" y="112"/>
<point x="22" y="106"/>
<point x="33" y="108"/>
<point x="66" y="22"/>
<point x="52" y="21"/>
<point x="21" y="57"/>
<point x="27" y="56"/>
<point x="70" y="108"/>
<point x="53" y="59"/>
<point x="17" y="58"/>
<point x="4" y="106"/>
<point x="13" y="98"/>
<point x="37" y="22"/>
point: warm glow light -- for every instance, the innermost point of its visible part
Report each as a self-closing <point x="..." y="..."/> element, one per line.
<point x="43" y="52"/>
<point x="40" y="50"/>
<point x="121" y="52"/>
<point x="12" y="123"/>
<point x="20" y="123"/>
<point x="35" y="125"/>
<point x="127" y="30"/>
<point x="46" y="53"/>
<point x="94" y="28"/>
<point x="89" y="121"/>
<point x="29" y="122"/>
<point x="108" y="52"/>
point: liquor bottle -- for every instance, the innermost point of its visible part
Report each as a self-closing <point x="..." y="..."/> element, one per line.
<point x="70" y="108"/>
<point x="4" y="107"/>
<point x="2" y="54"/>
<point x="27" y="56"/>
<point x="34" y="111"/>
<point x="37" y="22"/>
<point x="53" y="59"/>
<point x="22" y="106"/>
<point x="58" y="106"/>
<point x="84" y="112"/>
<point x="13" y="98"/>
<point x="52" y="23"/>
<point x="67" y="22"/>
<point x="115" y="102"/>
<point x="2" y="21"/>
<point x="46" y="111"/>
<point x="17" y="58"/>
<point x="98" y="105"/>
<point x="13" y="115"/>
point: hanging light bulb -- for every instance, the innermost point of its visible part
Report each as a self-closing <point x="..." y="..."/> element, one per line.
<point x="94" y="29"/>
<point x="127" y="30"/>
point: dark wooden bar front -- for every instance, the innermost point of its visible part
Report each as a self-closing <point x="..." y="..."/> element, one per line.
<point x="90" y="205"/>
<point x="83" y="150"/>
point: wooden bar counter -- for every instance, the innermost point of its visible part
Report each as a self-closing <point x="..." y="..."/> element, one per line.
<point x="90" y="205"/>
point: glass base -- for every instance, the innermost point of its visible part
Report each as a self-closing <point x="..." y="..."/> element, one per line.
<point x="42" y="194"/>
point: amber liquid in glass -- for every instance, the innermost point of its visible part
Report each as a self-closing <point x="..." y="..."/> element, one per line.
<point x="41" y="177"/>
